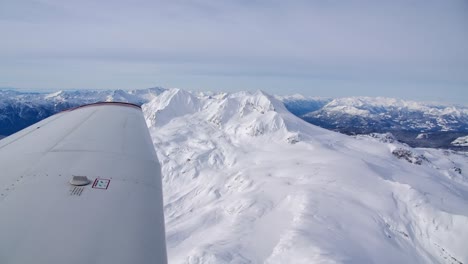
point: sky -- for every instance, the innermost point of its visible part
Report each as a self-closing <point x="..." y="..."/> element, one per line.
<point x="410" y="49"/>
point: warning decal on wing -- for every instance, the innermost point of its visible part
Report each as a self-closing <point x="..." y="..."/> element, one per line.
<point x="101" y="184"/>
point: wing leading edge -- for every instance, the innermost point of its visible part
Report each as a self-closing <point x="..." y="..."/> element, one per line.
<point x="117" y="218"/>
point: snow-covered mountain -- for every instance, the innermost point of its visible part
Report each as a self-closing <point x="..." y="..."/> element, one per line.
<point x="441" y="124"/>
<point x="461" y="141"/>
<point x="245" y="181"/>
<point x="417" y="124"/>
<point x="21" y="109"/>
<point x="393" y="114"/>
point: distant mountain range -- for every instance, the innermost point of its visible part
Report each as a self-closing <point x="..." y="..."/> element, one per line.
<point x="415" y="123"/>
<point x="22" y="109"/>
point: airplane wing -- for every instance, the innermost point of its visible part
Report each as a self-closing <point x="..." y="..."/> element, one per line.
<point x="47" y="212"/>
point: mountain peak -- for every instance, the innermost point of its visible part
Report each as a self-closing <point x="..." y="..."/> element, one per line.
<point x="54" y="95"/>
<point x="238" y="114"/>
<point x="170" y="104"/>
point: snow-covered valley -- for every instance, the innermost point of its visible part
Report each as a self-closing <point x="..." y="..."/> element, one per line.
<point x="245" y="181"/>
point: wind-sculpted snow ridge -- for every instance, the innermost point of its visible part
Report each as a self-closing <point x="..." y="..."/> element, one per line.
<point x="245" y="181"/>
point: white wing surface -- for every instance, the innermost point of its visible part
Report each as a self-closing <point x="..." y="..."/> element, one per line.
<point x="117" y="218"/>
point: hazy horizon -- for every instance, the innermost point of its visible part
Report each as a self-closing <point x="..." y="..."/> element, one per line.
<point x="46" y="91"/>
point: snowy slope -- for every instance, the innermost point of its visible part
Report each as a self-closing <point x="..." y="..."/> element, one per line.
<point x="246" y="181"/>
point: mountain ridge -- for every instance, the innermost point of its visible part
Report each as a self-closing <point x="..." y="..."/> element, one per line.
<point x="233" y="195"/>
<point x="441" y="123"/>
<point x="417" y="124"/>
